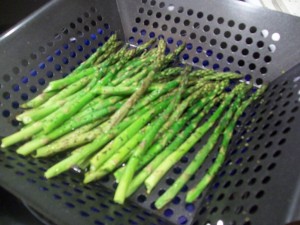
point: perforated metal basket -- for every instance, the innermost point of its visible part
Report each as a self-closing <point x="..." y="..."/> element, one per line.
<point x="259" y="183"/>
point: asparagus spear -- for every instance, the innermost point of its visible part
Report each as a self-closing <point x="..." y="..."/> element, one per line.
<point x="201" y="155"/>
<point x="32" y="129"/>
<point x="176" y="127"/>
<point x="69" y="126"/>
<point x="161" y="170"/>
<point x="147" y="141"/>
<point x="227" y="134"/>
<point x="222" y="76"/>
<point x="122" y="112"/>
<point x="70" y="142"/>
<point x="89" y="149"/>
<point x="198" y="160"/>
<point x="155" y="94"/>
<point x="140" y="177"/>
<point x="39" y="100"/>
<point x="108" y="54"/>
<point x="41" y="112"/>
<point x="44" y="96"/>
<point x="115" y="158"/>
<point x="62" y="83"/>
<point x="99" y="52"/>
<point x="202" y="73"/>
<point x="109" y="150"/>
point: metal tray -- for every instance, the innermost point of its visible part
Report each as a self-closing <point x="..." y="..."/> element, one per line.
<point x="258" y="184"/>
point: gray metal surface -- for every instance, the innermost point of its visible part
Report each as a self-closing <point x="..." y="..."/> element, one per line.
<point x="50" y="43"/>
<point x="247" y="32"/>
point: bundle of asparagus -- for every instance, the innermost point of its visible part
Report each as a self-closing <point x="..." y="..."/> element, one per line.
<point x="131" y="107"/>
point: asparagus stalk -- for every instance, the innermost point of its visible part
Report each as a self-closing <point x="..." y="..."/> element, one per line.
<point x="176" y="127"/>
<point x="123" y="90"/>
<point x="140" y="177"/>
<point x="69" y="126"/>
<point x="22" y="135"/>
<point x="115" y="158"/>
<point x="161" y="170"/>
<point x="198" y="160"/>
<point x="202" y="73"/>
<point x="99" y="52"/>
<point x="70" y="142"/>
<point x="89" y="149"/>
<point x="170" y="71"/>
<point x="201" y="155"/>
<point x="155" y="94"/>
<point x="122" y="112"/>
<point x="110" y="149"/>
<point x="40" y="113"/>
<point x="32" y="129"/>
<point x="71" y="108"/>
<point x="108" y="54"/>
<point x="222" y="76"/>
<point x="39" y="100"/>
<point x="44" y="96"/>
<point x="147" y="141"/>
<point x="62" y="83"/>
<point x="193" y="194"/>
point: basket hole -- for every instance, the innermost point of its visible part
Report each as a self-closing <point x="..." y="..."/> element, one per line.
<point x="167" y="17"/>
<point x="155" y="25"/>
<point x="272" y="48"/>
<point x="200" y="15"/>
<point x="264" y="33"/>
<point x="147" y="22"/>
<point x="260" y="44"/>
<point x="192" y="36"/>
<point x="277" y="153"/>
<point x="227" y="34"/>
<point x="164" y="27"/>
<point x="242" y="26"/>
<point x="171" y="8"/>
<point x="186" y="22"/>
<point x="141" y="198"/>
<point x="210" y="17"/>
<point x="176" y="19"/>
<point x="190" y="12"/>
<point x="260" y="194"/>
<point x="234" y="48"/>
<point x="223" y="45"/>
<point x="253" y="209"/>
<point x="239" y="210"/>
<point x="220" y="20"/>
<point x="161" y="5"/>
<point x="182" y="220"/>
<point x="226" y="210"/>
<point x="152" y="2"/>
<point x="275" y="36"/>
<point x="202" y="39"/>
<point x="231" y="23"/>
<point x="183" y="33"/>
<point x="253" y="29"/>
<point x="168" y="212"/>
<point x="249" y="40"/>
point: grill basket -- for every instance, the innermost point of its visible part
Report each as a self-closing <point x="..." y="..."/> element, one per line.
<point x="259" y="184"/>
